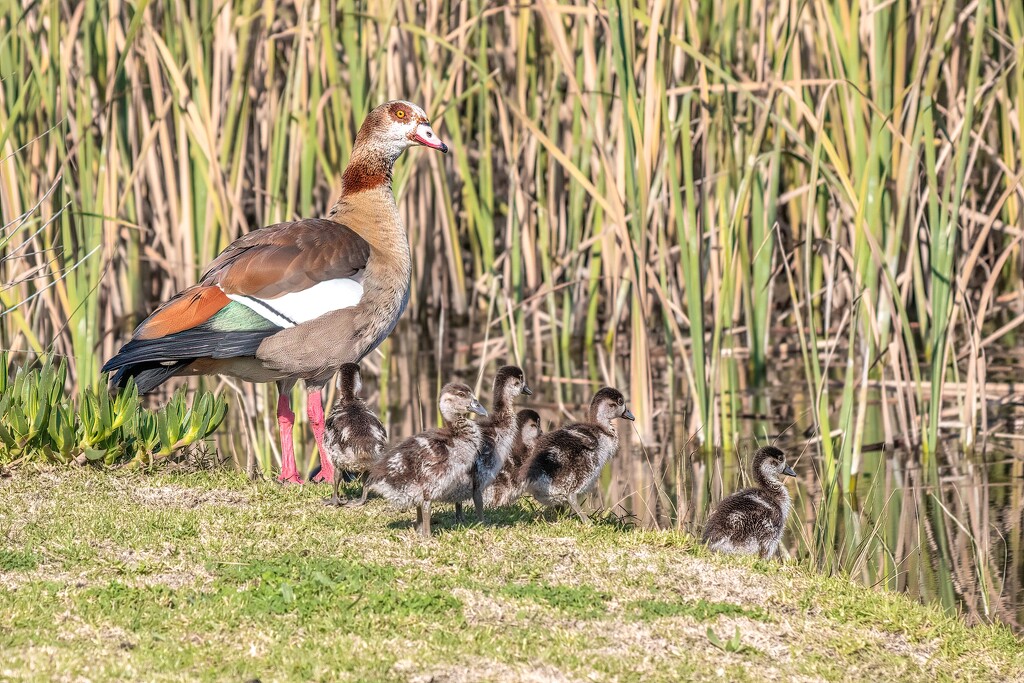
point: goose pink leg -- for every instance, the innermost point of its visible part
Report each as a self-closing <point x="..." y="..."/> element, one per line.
<point x="315" y="410"/>
<point x="285" y="422"/>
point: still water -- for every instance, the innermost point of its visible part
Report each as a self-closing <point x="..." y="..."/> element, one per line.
<point x="949" y="534"/>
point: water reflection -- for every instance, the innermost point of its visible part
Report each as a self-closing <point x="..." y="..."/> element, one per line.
<point x="948" y="534"/>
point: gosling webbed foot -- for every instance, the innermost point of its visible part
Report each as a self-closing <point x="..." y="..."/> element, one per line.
<point x="362" y="499"/>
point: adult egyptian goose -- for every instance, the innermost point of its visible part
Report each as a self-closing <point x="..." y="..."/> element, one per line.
<point x="499" y="433"/>
<point x="566" y="462"/>
<point x="296" y="300"/>
<point x="507" y="486"/>
<point x="354" y="437"/>
<point x="751" y="521"/>
<point x="425" y="467"/>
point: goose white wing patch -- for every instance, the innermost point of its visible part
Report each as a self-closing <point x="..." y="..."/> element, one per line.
<point x="295" y="308"/>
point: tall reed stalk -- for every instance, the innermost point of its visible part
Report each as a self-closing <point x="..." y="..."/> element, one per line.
<point x="677" y="188"/>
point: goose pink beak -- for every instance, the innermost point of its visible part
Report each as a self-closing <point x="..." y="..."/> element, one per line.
<point x="425" y="135"/>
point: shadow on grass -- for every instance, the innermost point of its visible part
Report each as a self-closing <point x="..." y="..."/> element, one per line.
<point x="445" y="521"/>
<point x="525" y="512"/>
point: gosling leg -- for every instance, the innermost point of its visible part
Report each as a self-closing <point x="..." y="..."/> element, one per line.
<point x="366" y="491"/>
<point x="336" y="500"/>
<point x="574" y="504"/>
<point x="425" y="526"/>
<point x="478" y="503"/>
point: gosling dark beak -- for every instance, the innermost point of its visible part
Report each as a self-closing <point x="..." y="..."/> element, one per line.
<point x="477" y="408"/>
<point x="788" y="471"/>
<point x="626" y="415"/>
<point x="527" y="390"/>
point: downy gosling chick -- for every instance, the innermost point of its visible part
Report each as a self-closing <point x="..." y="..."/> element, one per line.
<point x="752" y="520"/>
<point x="508" y="487"/>
<point x="354" y="437"/>
<point x="566" y="462"/>
<point x="499" y="432"/>
<point x="427" y="466"/>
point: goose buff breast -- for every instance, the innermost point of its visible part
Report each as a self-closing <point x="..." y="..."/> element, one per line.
<point x="296" y="300"/>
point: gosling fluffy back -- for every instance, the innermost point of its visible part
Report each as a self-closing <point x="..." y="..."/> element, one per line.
<point x="751" y="521"/>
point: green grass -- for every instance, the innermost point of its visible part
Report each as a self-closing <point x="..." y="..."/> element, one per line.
<point x="206" y="576"/>
<point x="17" y="560"/>
<point x="701" y="610"/>
<point x="581" y="602"/>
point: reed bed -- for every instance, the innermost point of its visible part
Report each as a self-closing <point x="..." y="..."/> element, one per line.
<point x="668" y="194"/>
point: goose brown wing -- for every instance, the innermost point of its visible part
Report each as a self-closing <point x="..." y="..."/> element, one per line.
<point x="287" y="258"/>
<point x="264" y="282"/>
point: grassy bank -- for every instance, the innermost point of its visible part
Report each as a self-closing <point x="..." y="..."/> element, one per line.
<point x="206" y="576"/>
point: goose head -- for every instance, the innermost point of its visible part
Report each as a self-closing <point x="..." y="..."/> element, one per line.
<point x="528" y="422"/>
<point x="509" y="383"/>
<point x="770" y="465"/>
<point x="609" y="404"/>
<point x="395" y="126"/>
<point x="457" y="401"/>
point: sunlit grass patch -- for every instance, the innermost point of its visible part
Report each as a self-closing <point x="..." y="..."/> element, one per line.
<point x="345" y="592"/>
